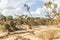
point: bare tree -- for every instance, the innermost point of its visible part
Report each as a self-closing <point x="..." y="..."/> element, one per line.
<point x="27" y="7"/>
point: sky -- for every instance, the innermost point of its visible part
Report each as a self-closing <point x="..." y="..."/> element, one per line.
<point x="11" y="7"/>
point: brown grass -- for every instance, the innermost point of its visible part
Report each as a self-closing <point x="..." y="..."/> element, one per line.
<point x="48" y="34"/>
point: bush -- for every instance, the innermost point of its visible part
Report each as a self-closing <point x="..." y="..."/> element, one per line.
<point x="7" y="26"/>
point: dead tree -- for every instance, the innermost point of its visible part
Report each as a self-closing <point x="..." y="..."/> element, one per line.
<point x="27" y="8"/>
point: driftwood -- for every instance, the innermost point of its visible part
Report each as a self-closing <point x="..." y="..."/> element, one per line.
<point x="18" y="32"/>
<point x="22" y="31"/>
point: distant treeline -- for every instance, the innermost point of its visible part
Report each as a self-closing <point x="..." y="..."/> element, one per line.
<point x="29" y="20"/>
<point x="12" y="24"/>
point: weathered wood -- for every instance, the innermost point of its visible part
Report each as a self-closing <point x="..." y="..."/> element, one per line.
<point x="17" y="32"/>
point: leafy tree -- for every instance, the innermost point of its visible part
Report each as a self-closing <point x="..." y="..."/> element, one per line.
<point x="49" y="5"/>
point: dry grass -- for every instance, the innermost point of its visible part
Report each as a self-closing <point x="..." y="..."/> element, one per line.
<point x="42" y="33"/>
<point x="48" y="34"/>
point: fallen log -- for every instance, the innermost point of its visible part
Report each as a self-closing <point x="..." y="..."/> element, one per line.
<point x="18" y="32"/>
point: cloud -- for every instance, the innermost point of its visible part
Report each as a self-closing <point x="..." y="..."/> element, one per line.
<point x="8" y="12"/>
<point x="38" y="13"/>
<point x="39" y="10"/>
<point x="15" y="6"/>
<point x="44" y="0"/>
<point x="18" y="9"/>
<point x="19" y="3"/>
<point x="3" y="3"/>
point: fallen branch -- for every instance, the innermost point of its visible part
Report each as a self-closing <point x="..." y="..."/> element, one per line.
<point x="18" y="32"/>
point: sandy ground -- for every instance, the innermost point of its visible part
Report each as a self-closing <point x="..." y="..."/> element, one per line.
<point x="41" y="33"/>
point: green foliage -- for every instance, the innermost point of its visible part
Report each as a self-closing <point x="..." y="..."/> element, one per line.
<point x="7" y="26"/>
<point x="9" y="18"/>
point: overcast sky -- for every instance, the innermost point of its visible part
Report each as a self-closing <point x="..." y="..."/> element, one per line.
<point x="11" y="7"/>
